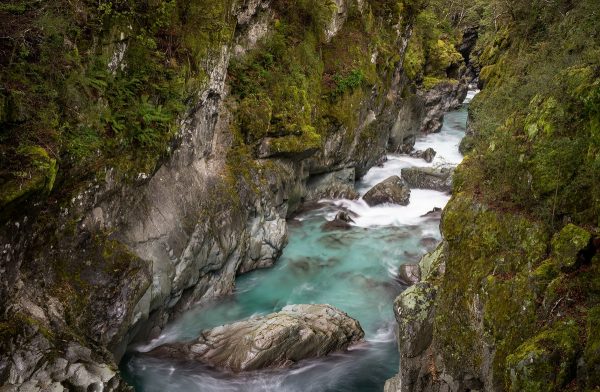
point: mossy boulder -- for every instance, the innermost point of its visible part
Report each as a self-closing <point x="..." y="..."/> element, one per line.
<point x="413" y="309"/>
<point x="37" y="175"/>
<point x="484" y="295"/>
<point x="568" y="243"/>
<point x="545" y="362"/>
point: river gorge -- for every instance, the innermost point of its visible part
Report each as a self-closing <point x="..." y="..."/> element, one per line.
<point x="354" y="270"/>
<point x="300" y="195"/>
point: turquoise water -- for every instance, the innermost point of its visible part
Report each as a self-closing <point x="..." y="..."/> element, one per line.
<point x="353" y="270"/>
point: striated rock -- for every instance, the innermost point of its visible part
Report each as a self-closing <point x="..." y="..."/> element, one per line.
<point x="276" y="340"/>
<point x="438" y="179"/>
<point x="409" y="274"/>
<point x="392" y="190"/>
<point x="428" y="155"/>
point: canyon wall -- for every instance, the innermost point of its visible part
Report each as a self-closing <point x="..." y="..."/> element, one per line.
<point x="510" y="299"/>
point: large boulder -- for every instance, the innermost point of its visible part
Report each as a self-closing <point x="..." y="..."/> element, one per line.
<point x="393" y="190"/>
<point x="276" y="340"/>
<point x="435" y="178"/>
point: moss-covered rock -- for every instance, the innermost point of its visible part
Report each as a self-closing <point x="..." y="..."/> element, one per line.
<point x="589" y="367"/>
<point x="568" y="243"/>
<point x="484" y="295"/>
<point x="545" y="362"/>
<point x="36" y="175"/>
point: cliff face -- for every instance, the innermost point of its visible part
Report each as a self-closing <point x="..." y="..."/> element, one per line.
<point x="215" y="122"/>
<point x="509" y="301"/>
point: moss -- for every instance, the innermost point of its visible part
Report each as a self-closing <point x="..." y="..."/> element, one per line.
<point x="567" y="243"/>
<point x="308" y="140"/>
<point x="430" y="82"/>
<point x="101" y="85"/>
<point x="545" y="273"/>
<point x="545" y="362"/>
<point x="509" y="314"/>
<point x="37" y="175"/>
<point x="490" y="254"/>
<point x="591" y="354"/>
<point x="255" y="113"/>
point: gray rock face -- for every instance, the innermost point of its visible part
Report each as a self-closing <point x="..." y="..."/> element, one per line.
<point x="335" y="185"/>
<point x="438" y="100"/>
<point x="439" y="179"/>
<point x="428" y="155"/>
<point x="409" y="274"/>
<point x="392" y="190"/>
<point x="414" y="310"/>
<point x="276" y="340"/>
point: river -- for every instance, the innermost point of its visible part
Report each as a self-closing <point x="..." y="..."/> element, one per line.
<point x="353" y="270"/>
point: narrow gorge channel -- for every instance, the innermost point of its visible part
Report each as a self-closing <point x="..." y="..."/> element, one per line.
<point x="354" y="270"/>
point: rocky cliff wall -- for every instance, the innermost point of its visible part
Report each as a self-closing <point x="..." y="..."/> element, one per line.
<point x="512" y="302"/>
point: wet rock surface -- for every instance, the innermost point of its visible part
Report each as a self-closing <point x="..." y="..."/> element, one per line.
<point x="439" y="179"/>
<point x="342" y="221"/>
<point x="428" y="155"/>
<point x="390" y="191"/>
<point x="277" y="340"/>
<point x="409" y="274"/>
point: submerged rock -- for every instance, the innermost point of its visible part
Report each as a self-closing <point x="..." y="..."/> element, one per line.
<point x="435" y="213"/>
<point x="393" y="190"/>
<point x="341" y="221"/>
<point x="428" y="155"/>
<point x="435" y="178"/>
<point x="276" y="340"/>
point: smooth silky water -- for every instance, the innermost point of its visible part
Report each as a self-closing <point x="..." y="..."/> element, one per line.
<point x="353" y="270"/>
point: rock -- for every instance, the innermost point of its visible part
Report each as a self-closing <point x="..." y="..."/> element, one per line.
<point x="546" y="361"/>
<point x="438" y="100"/>
<point x="428" y="155"/>
<point x="341" y="222"/>
<point x="393" y="190"/>
<point x="409" y="274"/>
<point x="276" y="340"/>
<point x="439" y="179"/>
<point x="569" y="247"/>
<point x="434" y="214"/>
<point x="429" y="243"/>
<point x="334" y="185"/>
<point x="413" y="309"/>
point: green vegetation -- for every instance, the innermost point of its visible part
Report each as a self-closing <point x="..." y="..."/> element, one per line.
<point x="431" y="55"/>
<point x="536" y="146"/>
<point x="296" y="86"/>
<point x="522" y="274"/>
<point x="94" y="85"/>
